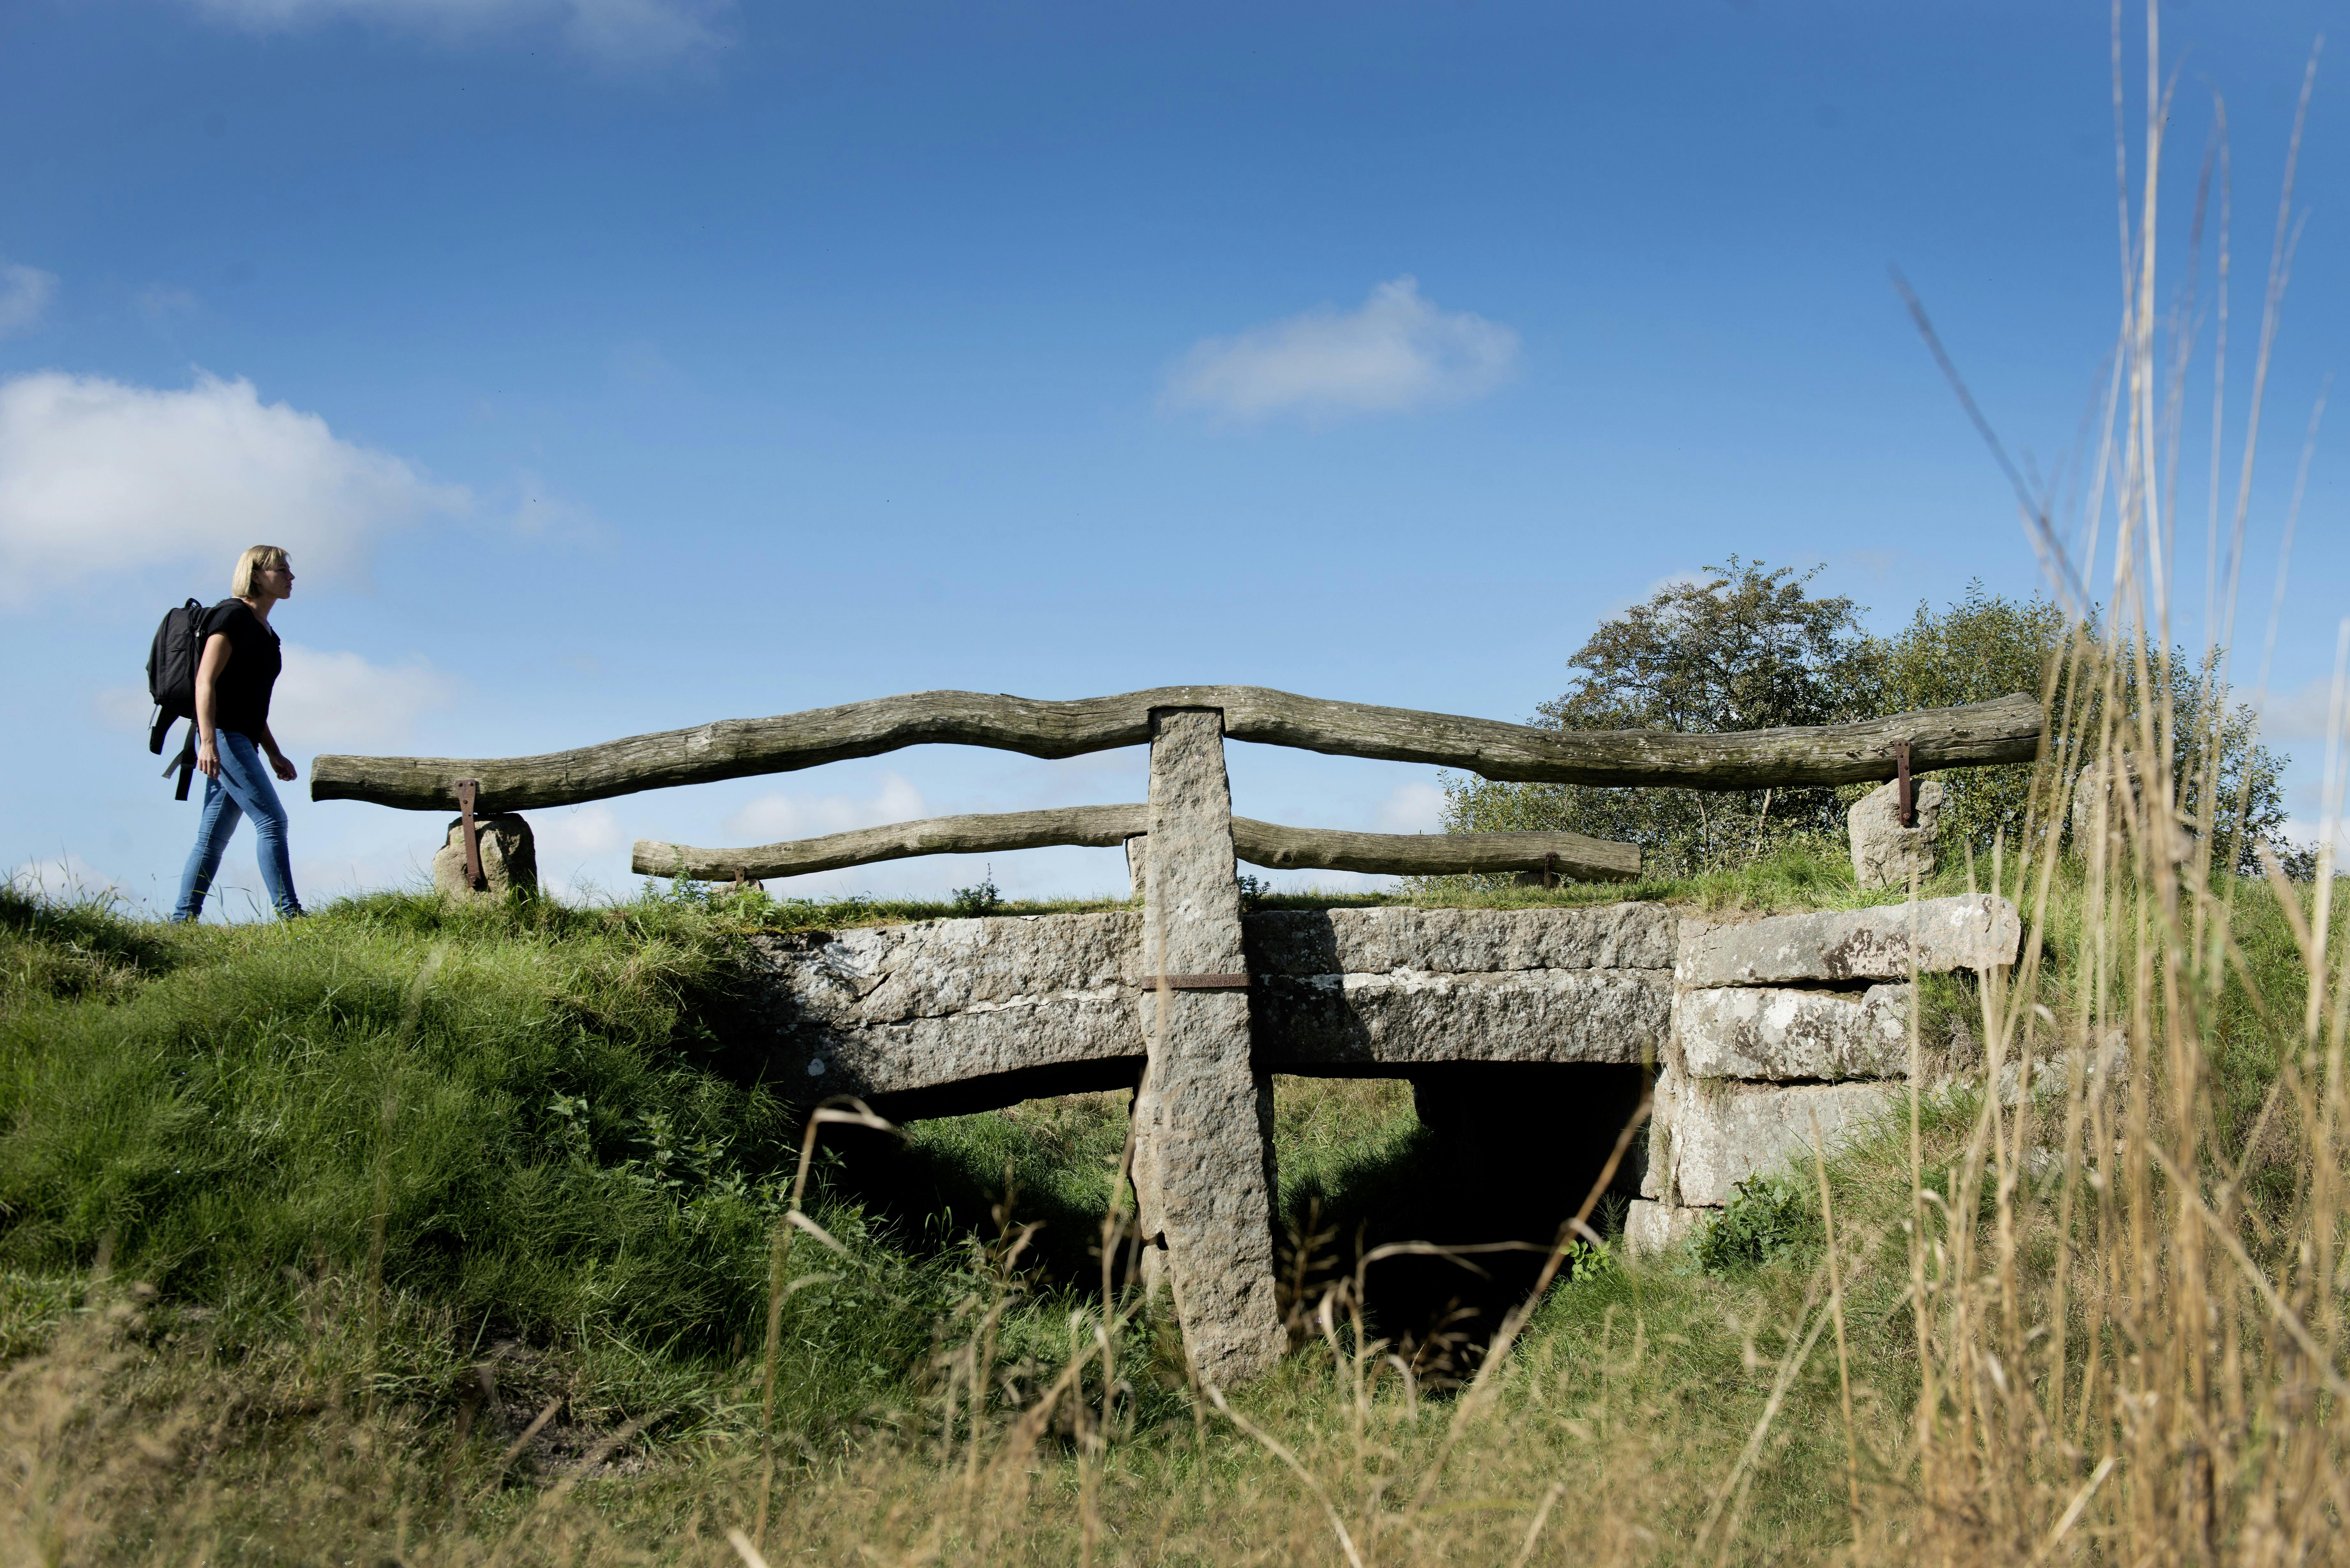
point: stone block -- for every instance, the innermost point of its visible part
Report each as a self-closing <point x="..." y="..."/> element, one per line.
<point x="1974" y="931"/>
<point x="904" y="1010"/>
<point x="883" y="975"/>
<point x="1884" y="853"/>
<point x="1365" y="1022"/>
<point x="1777" y="1032"/>
<point x="1719" y="1133"/>
<point x="1460" y="941"/>
<point x="1651" y="1228"/>
<point x="509" y="858"/>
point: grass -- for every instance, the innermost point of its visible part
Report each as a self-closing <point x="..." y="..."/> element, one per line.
<point x="302" y="1226"/>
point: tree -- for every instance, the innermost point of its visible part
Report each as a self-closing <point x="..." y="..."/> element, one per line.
<point x="1980" y="648"/>
<point x="1741" y="648"/>
<point x="1746" y="649"/>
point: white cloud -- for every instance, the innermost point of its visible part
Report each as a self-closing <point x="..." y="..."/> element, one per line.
<point x="2312" y="830"/>
<point x="25" y="295"/>
<point x="774" y="817"/>
<point x="97" y="477"/>
<point x="66" y="876"/>
<point x="1398" y="352"/>
<point x="1413" y="808"/>
<point x="323" y="702"/>
<point x="619" y="30"/>
<point x="616" y="32"/>
<point x="332" y="701"/>
<point x="2303" y="715"/>
<point x="566" y="841"/>
<point x="577" y="832"/>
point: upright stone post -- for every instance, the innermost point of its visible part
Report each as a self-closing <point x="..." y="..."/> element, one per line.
<point x="1203" y="1175"/>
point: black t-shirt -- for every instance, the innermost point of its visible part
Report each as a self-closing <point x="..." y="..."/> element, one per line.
<point x="242" y="701"/>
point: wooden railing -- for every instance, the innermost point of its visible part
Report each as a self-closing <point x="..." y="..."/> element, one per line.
<point x="1982" y="733"/>
<point x="2006" y="731"/>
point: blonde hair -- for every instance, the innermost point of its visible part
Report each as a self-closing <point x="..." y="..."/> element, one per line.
<point x="261" y="558"/>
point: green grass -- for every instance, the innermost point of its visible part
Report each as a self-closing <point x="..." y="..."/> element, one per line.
<point x="578" y="1184"/>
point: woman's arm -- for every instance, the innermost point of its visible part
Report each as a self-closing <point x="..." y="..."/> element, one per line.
<point x="217" y="650"/>
<point x="279" y="762"/>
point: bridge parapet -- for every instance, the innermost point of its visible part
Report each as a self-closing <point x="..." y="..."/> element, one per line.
<point x="957" y="1015"/>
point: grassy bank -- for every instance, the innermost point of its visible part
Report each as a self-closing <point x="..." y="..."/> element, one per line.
<point x="406" y="1233"/>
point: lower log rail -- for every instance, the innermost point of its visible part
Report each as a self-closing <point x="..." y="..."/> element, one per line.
<point x="1106" y="826"/>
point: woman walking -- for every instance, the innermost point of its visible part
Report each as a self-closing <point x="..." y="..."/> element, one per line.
<point x="234" y="679"/>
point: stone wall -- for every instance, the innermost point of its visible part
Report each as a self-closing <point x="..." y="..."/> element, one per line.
<point x="1789" y="1024"/>
<point x="953" y="1015"/>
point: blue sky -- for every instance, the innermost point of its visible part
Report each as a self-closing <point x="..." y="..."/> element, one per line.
<point x="616" y="365"/>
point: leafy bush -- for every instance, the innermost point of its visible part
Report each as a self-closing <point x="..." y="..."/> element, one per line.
<point x="1588" y="1264"/>
<point x="1770" y="1218"/>
<point x="984" y="899"/>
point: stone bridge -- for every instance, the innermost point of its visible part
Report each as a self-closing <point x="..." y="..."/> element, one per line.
<point x="1751" y="1030"/>
<point x="1754" y="1030"/>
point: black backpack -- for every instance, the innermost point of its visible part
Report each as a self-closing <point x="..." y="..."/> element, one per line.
<point x="172" y="684"/>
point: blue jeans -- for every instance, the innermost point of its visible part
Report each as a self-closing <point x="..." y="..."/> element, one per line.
<point x="241" y="789"/>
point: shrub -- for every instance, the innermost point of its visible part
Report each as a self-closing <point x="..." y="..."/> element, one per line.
<point x="984" y="899"/>
<point x="1770" y="1218"/>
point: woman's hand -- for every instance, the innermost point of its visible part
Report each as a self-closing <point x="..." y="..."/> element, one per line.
<point x="208" y="758"/>
<point x="283" y="766"/>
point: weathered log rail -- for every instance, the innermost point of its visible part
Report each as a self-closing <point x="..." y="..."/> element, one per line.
<point x="1981" y="734"/>
<point x="1106" y="826"/>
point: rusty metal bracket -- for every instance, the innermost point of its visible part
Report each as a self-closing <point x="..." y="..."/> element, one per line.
<point x="1194" y="982"/>
<point x="466" y="790"/>
<point x="1905" y="788"/>
<point x="1550" y="870"/>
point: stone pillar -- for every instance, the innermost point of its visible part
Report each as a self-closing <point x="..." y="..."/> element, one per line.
<point x="1137" y="856"/>
<point x="1788" y="1023"/>
<point x="1885" y="853"/>
<point x="1204" y="1173"/>
<point x="509" y="857"/>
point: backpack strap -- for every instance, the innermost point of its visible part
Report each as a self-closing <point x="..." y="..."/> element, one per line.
<point x="184" y="764"/>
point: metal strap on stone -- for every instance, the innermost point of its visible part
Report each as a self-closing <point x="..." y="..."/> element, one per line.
<point x="467" y="789"/>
